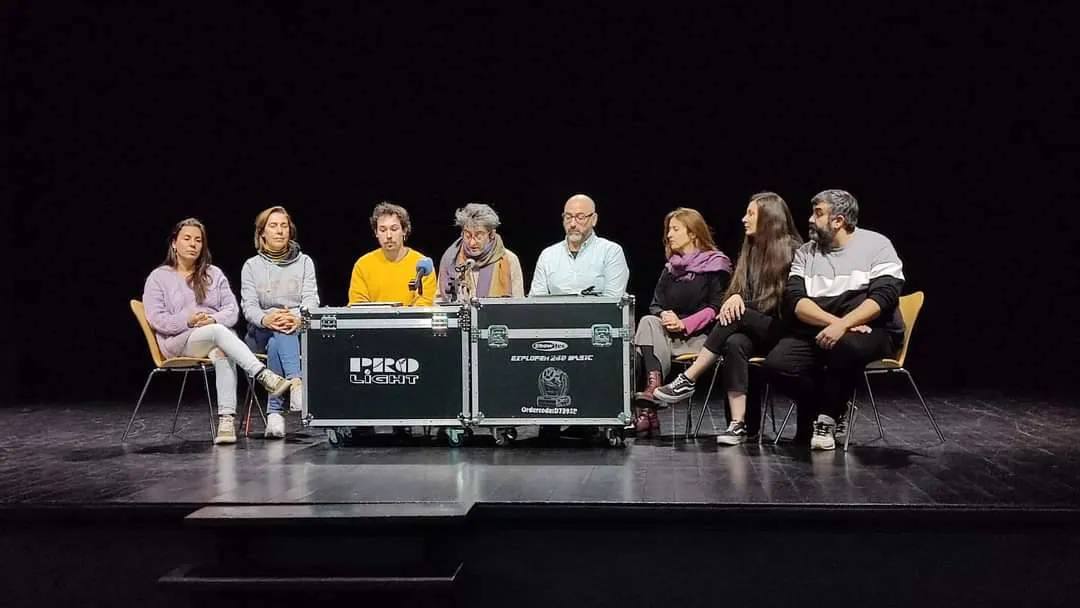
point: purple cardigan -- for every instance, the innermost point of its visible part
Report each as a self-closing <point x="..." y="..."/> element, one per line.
<point x="170" y="302"/>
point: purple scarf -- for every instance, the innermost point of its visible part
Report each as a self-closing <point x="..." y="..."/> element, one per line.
<point x="685" y="268"/>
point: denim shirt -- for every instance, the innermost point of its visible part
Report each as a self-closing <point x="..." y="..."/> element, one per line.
<point x="599" y="263"/>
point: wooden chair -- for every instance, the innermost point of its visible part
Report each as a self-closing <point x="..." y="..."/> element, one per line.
<point x="910" y="307"/>
<point x="183" y="365"/>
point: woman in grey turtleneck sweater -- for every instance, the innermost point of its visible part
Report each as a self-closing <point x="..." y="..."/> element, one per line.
<point x="274" y="284"/>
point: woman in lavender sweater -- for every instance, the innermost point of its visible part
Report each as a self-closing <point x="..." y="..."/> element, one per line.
<point x="191" y="309"/>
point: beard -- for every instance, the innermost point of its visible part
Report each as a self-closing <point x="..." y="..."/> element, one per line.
<point x="577" y="237"/>
<point x="822" y="236"/>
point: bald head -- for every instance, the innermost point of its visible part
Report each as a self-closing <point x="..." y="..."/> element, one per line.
<point x="579" y="217"/>
<point x="579" y="203"/>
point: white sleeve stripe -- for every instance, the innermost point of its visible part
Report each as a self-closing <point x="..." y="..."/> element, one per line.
<point x="891" y="269"/>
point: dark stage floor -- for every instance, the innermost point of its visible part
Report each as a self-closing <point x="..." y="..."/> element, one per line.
<point x="1000" y="452"/>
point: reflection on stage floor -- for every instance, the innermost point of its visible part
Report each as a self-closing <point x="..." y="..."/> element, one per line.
<point x="1000" y="452"/>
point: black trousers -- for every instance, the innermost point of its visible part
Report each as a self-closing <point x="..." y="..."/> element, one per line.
<point x="740" y="340"/>
<point x="822" y="381"/>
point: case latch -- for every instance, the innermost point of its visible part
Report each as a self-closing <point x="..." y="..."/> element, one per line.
<point x="328" y="324"/>
<point x="439" y="324"/>
<point x="498" y="336"/>
<point x="602" y="335"/>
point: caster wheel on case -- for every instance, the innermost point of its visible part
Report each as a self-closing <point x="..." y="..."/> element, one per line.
<point x="505" y="437"/>
<point x="455" y="437"/>
<point x="333" y="438"/>
<point x="616" y="438"/>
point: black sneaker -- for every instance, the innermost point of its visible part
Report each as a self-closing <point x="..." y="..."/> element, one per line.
<point x="677" y="390"/>
<point x="734" y="435"/>
<point x="841" y="426"/>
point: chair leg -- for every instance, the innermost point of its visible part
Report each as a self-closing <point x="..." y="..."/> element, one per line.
<point x="258" y="406"/>
<point x="853" y="417"/>
<point x="179" y="400"/>
<point x="689" y="415"/>
<point x="138" y="403"/>
<point x="688" y="427"/>
<point x="873" y="404"/>
<point x="780" y="433"/>
<point x="210" y="401"/>
<point x="850" y="415"/>
<point x="772" y="414"/>
<point x="674" y="433"/>
<point x="705" y="407"/>
<point x="929" y="414"/>
<point x="764" y="408"/>
<point x="247" y="415"/>
<point x="252" y="400"/>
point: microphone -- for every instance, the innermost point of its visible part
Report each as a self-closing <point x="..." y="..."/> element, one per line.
<point x="424" y="267"/>
<point x="466" y="267"/>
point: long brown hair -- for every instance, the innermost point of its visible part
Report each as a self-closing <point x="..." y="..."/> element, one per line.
<point x="200" y="276"/>
<point x="264" y="217"/>
<point x="765" y="257"/>
<point x="695" y="225"/>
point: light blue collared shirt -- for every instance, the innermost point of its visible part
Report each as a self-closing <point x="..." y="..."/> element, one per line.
<point x="599" y="263"/>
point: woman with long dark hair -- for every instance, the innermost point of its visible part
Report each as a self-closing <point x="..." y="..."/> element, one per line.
<point x="749" y="319"/>
<point x="687" y="297"/>
<point x="191" y="309"/>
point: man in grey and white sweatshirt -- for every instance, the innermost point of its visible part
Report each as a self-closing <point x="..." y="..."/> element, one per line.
<point x="841" y="302"/>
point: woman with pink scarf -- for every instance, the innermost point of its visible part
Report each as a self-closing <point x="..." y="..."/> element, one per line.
<point x="687" y="298"/>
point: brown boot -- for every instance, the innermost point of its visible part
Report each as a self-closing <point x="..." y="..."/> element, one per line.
<point x="652" y="383"/>
<point x="642" y="424"/>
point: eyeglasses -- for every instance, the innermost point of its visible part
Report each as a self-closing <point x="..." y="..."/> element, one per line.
<point x="578" y="217"/>
<point x="475" y="236"/>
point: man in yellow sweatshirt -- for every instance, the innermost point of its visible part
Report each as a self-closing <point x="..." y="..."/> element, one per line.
<point x="383" y="275"/>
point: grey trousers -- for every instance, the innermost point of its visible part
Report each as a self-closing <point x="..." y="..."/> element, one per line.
<point x="650" y="332"/>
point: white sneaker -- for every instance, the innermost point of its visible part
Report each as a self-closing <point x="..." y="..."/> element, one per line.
<point x="824" y="433"/>
<point x="275" y="426"/>
<point x="274" y="384"/>
<point x="226" y="430"/>
<point x="296" y="395"/>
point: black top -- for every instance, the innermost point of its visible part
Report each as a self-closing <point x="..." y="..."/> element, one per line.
<point x="684" y="298"/>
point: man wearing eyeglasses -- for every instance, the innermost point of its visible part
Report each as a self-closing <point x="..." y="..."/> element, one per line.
<point x="583" y="261"/>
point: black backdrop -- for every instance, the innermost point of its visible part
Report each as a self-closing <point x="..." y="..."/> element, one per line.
<point x="953" y="123"/>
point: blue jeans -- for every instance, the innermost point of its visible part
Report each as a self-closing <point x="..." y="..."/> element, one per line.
<point x="282" y="356"/>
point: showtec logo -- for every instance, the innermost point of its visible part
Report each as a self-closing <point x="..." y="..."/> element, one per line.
<point x="549" y="346"/>
<point x="383" y="370"/>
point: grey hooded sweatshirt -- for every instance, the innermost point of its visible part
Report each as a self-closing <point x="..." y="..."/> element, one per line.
<point x="289" y="283"/>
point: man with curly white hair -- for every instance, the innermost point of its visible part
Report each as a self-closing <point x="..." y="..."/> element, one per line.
<point x="478" y="264"/>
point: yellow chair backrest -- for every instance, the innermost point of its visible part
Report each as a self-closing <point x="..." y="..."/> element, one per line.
<point x="910" y="305"/>
<point x="151" y="340"/>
